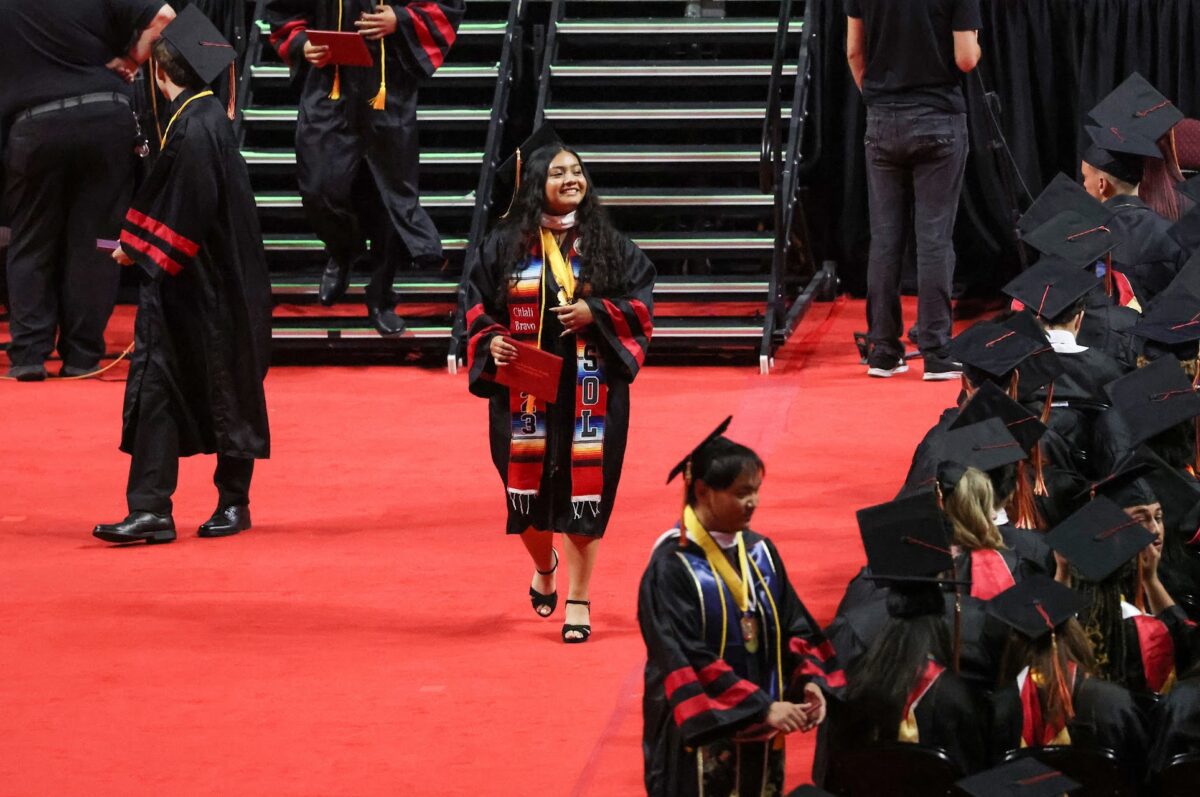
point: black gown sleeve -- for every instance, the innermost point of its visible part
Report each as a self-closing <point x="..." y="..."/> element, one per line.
<point x="625" y="324"/>
<point x="953" y="717"/>
<point x="175" y="207"/>
<point x="1176" y="725"/>
<point x="483" y="317"/>
<point x="1106" y="716"/>
<point x="427" y="30"/>
<point x="706" y="698"/>
<point x="289" y="21"/>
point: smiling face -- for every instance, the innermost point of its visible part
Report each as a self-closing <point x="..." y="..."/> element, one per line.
<point x="729" y="510"/>
<point x="1150" y="516"/>
<point x="565" y="184"/>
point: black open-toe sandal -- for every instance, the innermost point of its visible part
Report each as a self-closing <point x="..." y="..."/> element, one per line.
<point x="585" y="630"/>
<point x="540" y="600"/>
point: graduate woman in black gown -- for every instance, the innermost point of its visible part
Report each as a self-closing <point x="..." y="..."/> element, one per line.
<point x="556" y="275"/>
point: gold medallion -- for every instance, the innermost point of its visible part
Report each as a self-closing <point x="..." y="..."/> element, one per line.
<point x="750" y="632"/>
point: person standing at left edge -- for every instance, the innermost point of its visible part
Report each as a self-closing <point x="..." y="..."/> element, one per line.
<point x="203" y="328"/>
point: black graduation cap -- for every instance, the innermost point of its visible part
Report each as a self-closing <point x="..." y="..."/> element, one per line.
<point x="1099" y="538"/>
<point x="1043" y="366"/>
<point x="989" y="401"/>
<point x="1187" y="280"/>
<point x="1036" y="606"/>
<point x="1121" y="153"/>
<point x="994" y="348"/>
<point x="199" y="43"/>
<point x="1125" y="485"/>
<point x="1024" y="777"/>
<point x="1060" y="194"/>
<point x="543" y="136"/>
<point x="1077" y="237"/>
<point x="907" y="539"/>
<point x="1051" y="286"/>
<point x="1137" y="107"/>
<point x="683" y="463"/>
<point x="1172" y="318"/>
<point x="985" y="445"/>
<point x="1154" y="398"/>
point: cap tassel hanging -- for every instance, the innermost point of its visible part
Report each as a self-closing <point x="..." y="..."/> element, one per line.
<point x="687" y="480"/>
<point x="516" y="189"/>
<point x="1060" y="680"/>
<point x="336" y="92"/>
<point x="1109" y="281"/>
<point x="1036" y="457"/>
<point x="1139" y="598"/>
<point x="379" y="101"/>
<point x="1196" y="424"/>
<point x="1024" y="509"/>
<point x="231" y="108"/>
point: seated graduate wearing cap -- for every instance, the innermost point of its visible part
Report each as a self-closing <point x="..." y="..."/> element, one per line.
<point x="1112" y="559"/>
<point x="1049" y="694"/>
<point x="1175" y="722"/>
<point x="1023" y="777"/>
<point x="734" y="660"/>
<point x="904" y="686"/>
<point x="203" y="328"/>
<point x="1129" y="123"/>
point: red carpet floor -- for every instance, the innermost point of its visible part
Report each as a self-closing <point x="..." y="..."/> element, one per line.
<point x="371" y="634"/>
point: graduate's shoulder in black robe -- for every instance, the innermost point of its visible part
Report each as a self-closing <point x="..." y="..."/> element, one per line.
<point x="204" y="313"/>
<point x="1176" y="724"/>
<point x="1108" y="327"/>
<point x="1148" y="255"/>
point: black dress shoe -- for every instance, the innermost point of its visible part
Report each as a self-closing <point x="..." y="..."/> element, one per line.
<point x="226" y="522"/>
<point x="138" y="527"/>
<point x="385" y="320"/>
<point x="72" y="371"/>
<point x="27" y="373"/>
<point x="334" y="281"/>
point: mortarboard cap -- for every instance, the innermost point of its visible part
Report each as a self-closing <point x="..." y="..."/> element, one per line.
<point x="1173" y="317"/>
<point x="989" y="401"/>
<point x="1024" y="777"/>
<point x="683" y="464"/>
<point x="994" y="348"/>
<point x="1137" y="107"/>
<point x="1051" y="286"/>
<point x="985" y="446"/>
<point x="199" y="43"/>
<point x="1154" y="398"/>
<point x="1187" y="280"/>
<point x="1121" y="153"/>
<point x="907" y="539"/>
<point x="1125" y="485"/>
<point x="1099" y="538"/>
<point x="1043" y="366"/>
<point x="1036" y="606"/>
<point x="1060" y="194"/>
<point x="543" y="136"/>
<point x="1075" y="236"/>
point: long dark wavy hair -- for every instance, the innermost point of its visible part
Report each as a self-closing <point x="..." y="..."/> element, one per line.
<point x="1104" y="622"/>
<point x="602" y="271"/>
<point x="881" y="680"/>
<point x="1073" y="646"/>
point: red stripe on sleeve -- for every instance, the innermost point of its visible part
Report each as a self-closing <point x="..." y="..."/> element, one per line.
<point x="832" y="678"/>
<point x="151" y="251"/>
<point x="621" y="327"/>
<point x="643" y="315"/>
<point x="281" y="38"/>
<point x="714" y="671"/>
<point x="432" y="51"/>
<point x="680" y="678"/>
<point x="445" y="29"/>
<point x="473" y="314"/>
<point x="730" y="698"/>
<point x="802" y="647"/>
<point x="180" y="242"/>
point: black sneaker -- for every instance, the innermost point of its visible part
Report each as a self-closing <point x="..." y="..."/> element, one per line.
<point x="885" y="365"/>
<point x="941" y="369"/>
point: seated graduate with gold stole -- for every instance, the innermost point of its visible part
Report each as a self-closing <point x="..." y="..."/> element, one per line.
<point x="734" y="660"/>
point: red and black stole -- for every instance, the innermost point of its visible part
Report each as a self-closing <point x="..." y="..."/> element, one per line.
<point x="528" y="294"/>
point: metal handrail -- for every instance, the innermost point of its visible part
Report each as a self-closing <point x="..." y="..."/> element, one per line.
<point x="772" y="137"/>
<point x="487" y="176"/>
<point x="245" y="86"/>
<point x="549" y="53"/>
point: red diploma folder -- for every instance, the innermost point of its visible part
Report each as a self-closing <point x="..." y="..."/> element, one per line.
<point x="345" y="47"/>
<point x="534" y="371"/>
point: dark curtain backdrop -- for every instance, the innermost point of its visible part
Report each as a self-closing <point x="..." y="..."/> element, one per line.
<point x="1049" y="61"/>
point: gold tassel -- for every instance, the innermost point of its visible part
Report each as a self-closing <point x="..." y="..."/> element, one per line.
<point x="336" y="92"/>
<point x="1064" y="691"/>
<point x="154" y="89"/>
<point x="1139" y="597"/>
<point x="379" y="101"/>
<point x="231" y="109"/>
<point x="1035" y="457"/>
<point x="516" y="186"/>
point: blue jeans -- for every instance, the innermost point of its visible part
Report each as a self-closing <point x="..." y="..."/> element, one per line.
<point x="926" y="148"/>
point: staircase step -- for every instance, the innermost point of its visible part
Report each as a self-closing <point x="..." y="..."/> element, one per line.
<point x="303" y="243"/>
<point x="633" y="112"/>
<point x="287" y="157"/>
<point x="614" y="198"/>
<point x="287" y="116"/>
<point x="465" y="29"/>
<point x="279" y="73"/>
<point x="359" y="329"/>
<point x="669" y="27"/>
<point x="678" y="242"/>
<point x="667" y="288"/>
<point x="676" y="69"/>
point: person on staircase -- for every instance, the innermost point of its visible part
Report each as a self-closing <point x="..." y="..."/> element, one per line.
<point x="357" y="153"/>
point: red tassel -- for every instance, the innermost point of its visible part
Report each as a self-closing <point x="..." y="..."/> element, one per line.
<point x="1024" y="509"/>
<point x="231" y="109"/>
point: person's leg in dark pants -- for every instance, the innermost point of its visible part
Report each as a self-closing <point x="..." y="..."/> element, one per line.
<point x="940" y="149"/>
<point x="232" y="478"/>
<point x="36" y="170"/>
<point x="154" y="461"/>
<point x="99" y="192"/>
<point x="887" y="177"/>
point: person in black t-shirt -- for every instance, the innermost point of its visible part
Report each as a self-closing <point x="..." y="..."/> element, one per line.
<point x="68" y="151"/>
<point x="907" y="57"/>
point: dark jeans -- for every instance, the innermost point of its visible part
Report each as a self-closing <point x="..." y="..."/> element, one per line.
<point x="69" y="179"/>
<point x="921" y="147"/>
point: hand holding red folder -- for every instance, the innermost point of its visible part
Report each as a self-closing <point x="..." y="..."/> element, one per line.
<point x="533" y="371"/>
<point x="345" y="48"/>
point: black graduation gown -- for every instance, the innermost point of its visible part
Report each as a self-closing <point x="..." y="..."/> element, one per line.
<point x="1148" y="255"/>
<point x="1031" y="546"/>
<point x="1107" y="326"/>
<point x="1176" y="725"/>
<point x="1105" y="716"/>
<point x="622" y="335"/>
<point x="695" y="701"/>
<point x="203" y="326"/>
